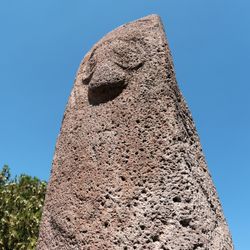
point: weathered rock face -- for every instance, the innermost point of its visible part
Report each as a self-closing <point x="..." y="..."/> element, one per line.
<point x="128" y="171"/>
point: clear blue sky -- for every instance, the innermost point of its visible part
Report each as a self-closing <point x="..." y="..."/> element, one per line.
<point x="42" y="43"/>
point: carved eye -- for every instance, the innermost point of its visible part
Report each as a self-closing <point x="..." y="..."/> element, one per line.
<point x="128" y="54"/>
<point x="88" y="69"/>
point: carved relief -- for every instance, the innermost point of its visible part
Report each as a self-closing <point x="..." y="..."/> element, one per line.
<point x="109" y="68"/>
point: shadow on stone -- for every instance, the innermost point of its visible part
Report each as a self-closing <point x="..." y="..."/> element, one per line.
<point x="105" y="93"/>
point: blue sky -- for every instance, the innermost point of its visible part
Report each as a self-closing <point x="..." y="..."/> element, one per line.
<point x="43" y="42"/>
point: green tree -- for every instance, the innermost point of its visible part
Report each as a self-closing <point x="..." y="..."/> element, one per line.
<point x="21" y="202"/>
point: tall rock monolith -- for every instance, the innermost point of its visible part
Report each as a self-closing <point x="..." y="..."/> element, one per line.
<point x="128" y="171"/>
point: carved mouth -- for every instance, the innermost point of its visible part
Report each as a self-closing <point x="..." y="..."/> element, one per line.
<point x="105" y="92"/>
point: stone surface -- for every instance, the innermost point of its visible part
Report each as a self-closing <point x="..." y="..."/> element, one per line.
<point x="128" y="170"/>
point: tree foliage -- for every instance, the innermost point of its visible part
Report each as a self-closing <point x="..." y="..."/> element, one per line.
<point x="21" y="202"/>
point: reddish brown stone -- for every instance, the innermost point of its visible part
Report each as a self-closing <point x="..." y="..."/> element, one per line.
<point x="128" y="170"/>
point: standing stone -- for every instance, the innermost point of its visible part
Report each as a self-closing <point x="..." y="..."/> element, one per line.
<point x="128" y="171"/>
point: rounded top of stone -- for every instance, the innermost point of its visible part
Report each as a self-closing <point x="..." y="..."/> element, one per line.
<point x="152" y="17"/>
<point x="141" y="27"/>
<point x="146" y="21"/>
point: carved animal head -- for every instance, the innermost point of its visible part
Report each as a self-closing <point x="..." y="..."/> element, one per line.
<point x="108" y="68"/>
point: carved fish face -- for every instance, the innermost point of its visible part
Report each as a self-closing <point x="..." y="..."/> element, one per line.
<point x="109" y="67"/>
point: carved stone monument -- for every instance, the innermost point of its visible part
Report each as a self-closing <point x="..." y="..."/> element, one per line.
<point x="128" y="171"/>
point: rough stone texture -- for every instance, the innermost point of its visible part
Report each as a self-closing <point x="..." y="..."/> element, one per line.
<point x="128" y="170"/>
